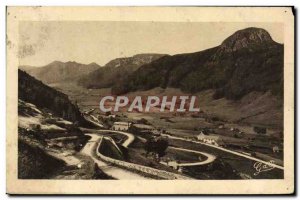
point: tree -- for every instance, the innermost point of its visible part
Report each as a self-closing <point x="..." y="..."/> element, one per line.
<point x="37" y="128"/>
<point x="161" y="146"/>
<point x="260" y="130"/>
<point x="143" y="121"/>
<point x="157" y="145"/>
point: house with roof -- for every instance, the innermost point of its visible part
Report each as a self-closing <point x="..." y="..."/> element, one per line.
<point x="143" y="127"/>
<point x="210" y="139"/>
<point x="121" y="126"/>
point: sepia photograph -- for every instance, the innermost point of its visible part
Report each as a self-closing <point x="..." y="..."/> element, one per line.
<point x="143" y="99"/>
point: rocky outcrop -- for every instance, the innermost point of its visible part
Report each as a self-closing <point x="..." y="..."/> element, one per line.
<point x="245" y="39"/>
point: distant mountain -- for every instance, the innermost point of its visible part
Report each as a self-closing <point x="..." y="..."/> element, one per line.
<point x="116" y="70"/>
<point x="249" y="60"/>
<point x="57" y="71"/>
<point x="34" y="91"/>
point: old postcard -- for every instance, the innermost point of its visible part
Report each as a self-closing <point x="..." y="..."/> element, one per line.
<point x="150" y="100"/>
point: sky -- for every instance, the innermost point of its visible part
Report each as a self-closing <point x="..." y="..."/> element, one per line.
<point x="41" y="43"/>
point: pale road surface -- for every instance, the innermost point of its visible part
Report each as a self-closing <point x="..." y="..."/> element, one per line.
<point x="120" y="173"/>
<point x="227" y="150"/>
<point x="127" y="142"/>
<point x="131" y="137"/>
<point x="113" y="171"/>
<point x="210" y="158"/>
<point x="94" y="121"/>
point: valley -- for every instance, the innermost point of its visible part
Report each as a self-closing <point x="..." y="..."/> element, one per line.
<point x="236" y="134"/>
<point x="187" y="127"/>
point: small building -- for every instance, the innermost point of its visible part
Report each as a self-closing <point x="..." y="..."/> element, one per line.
<point x="121" y="126"/>
<point x="210" y="139"/>
<point x="156" y="133"/>
<point x="173" y="164"/>
<point x="221" y="126"/>
<point x="275" y="149"/>
<point x="170" y="162"/>
<point x="143" y="127"/>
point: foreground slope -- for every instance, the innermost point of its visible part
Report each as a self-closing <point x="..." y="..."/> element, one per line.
<point x="49" y="138"/>
<point x="34" y="91"/>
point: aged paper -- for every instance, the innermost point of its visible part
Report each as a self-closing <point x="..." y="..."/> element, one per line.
<point x="150" y="100"/>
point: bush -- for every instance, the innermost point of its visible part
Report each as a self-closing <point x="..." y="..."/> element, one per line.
<point x="260" y="130"/>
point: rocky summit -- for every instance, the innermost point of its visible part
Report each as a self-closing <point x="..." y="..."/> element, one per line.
<point x="246" y="38"/>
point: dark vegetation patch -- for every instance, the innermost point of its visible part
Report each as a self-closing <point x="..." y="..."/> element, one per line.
<point x="108" y="149"/>
<point x="34" y="163"/>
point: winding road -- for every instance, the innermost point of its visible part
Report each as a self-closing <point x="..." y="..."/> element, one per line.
<point x="120" y="173"/>
<point x="229" y="151"/>
<point x="210" y="157"/>
<point x="131" y="137"/>
<point x="110" y="170"/>
<point x="127" y="142"/>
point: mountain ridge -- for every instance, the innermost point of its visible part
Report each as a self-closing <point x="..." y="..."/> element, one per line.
<point x="116" y="69"/>
<point x="248" y="60"/>
<point x="58" y="71"/>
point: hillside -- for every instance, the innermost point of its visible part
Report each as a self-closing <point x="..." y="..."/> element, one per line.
<point x="57" y="71"/>
<point x="116" y="70"/>
<point x="247" y="61"/>
<point x="49" y="146"/>
<point x="49" y="137"/>
<point x="34" y="91"/>
<point x="34" y="163"/>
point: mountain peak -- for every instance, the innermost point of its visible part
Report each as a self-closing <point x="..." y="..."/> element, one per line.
<point x="93" y="63"/>
<point x="245" y="38"/>
<point x="72" y="63"/>
<point x="56" y="63"/>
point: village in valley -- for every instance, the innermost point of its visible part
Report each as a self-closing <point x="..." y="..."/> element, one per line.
<point x="193" y="151"/>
